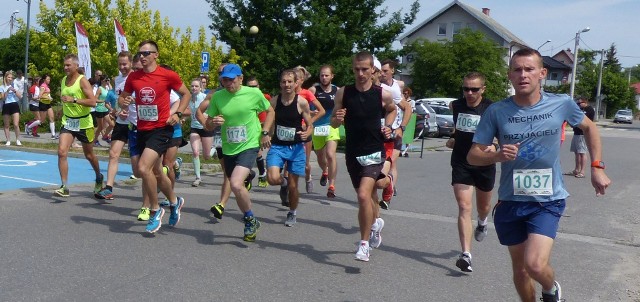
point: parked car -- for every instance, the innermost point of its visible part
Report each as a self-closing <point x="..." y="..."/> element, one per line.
<point x="623" y="116"/>
<point x="444" y="118"/>
<point x="426" y="123"/>
<point x="438" y="101"/>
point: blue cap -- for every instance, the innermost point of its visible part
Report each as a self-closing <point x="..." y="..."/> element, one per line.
<point x="231" y="71"/>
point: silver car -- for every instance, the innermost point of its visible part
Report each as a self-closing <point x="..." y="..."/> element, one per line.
<point x="426" y="123"/>
<point x="444" y="118"/>
<point x="623" y="116"/>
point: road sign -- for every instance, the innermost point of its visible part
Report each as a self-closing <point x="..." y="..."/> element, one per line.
<point x="204" y="67"/>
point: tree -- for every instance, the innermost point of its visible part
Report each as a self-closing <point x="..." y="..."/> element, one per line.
<point x="307" y="32"/>
<point x="611" y="61"/>
<point x="439" y="67"/>
<point x="57" y="37"/>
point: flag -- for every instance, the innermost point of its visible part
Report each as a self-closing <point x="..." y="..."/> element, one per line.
<point x="84" y="53"/>
<point x="121" y="38"/>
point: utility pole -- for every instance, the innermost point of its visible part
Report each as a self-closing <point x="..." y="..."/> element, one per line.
<point x="598" y="96"/>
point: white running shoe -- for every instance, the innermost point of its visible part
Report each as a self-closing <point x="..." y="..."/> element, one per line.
<point x="376" y="237"/>
<point x="362" y="254"/>
<point x="18" y="143"/>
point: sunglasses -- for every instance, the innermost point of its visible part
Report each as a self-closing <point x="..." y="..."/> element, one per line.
<point x="472" y="89"/>
<point x="146" y="53"/>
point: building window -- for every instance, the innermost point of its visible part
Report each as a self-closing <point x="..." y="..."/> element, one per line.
<point x="442" y="29"/>
<point x="457" y="26"/>
<point x="554" y="76"/>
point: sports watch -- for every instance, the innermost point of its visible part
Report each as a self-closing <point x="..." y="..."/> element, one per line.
<point x="597" y="164"/>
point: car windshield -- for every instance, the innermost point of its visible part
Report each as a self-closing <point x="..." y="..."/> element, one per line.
<point x="624" y="112"/>
<point x="442" y="110"/>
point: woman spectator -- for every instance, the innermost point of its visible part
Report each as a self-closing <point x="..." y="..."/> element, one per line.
<point x="101" y="108"/>
<point x="45" y="106"/>
<point x="10" y="107"/>
<point x="34" y="101"/>
<point x="198" y="137"/>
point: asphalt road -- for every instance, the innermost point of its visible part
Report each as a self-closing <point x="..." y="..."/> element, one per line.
<point x="79" y="249"/>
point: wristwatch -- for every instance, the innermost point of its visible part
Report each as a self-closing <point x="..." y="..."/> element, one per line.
<point x="265" y="133"/>
<point x="179" y="114"/>
<point x="75" y="100"/>
<point x="597" y="164"/>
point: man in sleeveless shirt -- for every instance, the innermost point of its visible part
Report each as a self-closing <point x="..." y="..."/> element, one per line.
<point x="531" y="196"/>
<point x="466" y="178"/>
<point x="361" y="107"/>
<point x="77" y="100"/>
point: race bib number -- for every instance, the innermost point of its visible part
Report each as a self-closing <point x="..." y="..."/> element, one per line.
<point x="148" y="113"/>
<point x="237" y="134"/>
<point x="217" y="141"/>
<point x="285" y="134"/>
<point x="467" y="122"/>
<point x="532" y="182"/>
<point x="371" y="159"/>
<point x="321" y="130"/>
<point x="73" y="124"/>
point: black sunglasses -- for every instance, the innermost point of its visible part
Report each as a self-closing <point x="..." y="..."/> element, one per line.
<point x="145" y="53"/>
<point x="473" y="89"/>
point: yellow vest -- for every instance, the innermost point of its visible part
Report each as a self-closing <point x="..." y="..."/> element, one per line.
<point x="73" y="111"/>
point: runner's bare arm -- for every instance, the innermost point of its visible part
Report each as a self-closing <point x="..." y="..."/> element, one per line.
<point x="305" y="110"/>
<point x="91" y="100"/>
<point x="320" y="112"/>
<point x="482" y="155"/>
<point x="338" y="114"/>
<point x="390" y="106"/>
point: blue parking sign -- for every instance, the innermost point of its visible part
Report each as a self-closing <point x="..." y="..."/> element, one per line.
<point x="204" y="67"/>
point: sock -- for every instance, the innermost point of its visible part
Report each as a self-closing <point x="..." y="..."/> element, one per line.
<point x="64" y="183"/>
<point x="482" y="222"/>
<point x="248" y="214"/>
<point x="196" y="166"/>
<point x="366" y="243"/>
<point x="552" y="291"/>
<point x="468" y="254"/>
<point x="260" y="163"/>
<point x="108" y="187"/>
<point x="52" y="127"/>
<point x="294" y="212"/>
<point x="35" y="123"/>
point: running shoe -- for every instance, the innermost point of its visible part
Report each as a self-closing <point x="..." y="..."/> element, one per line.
<point x="262" y="182"/>
<point x="251" y="226"/>
<point x="480" y="232"/>
<point x="164" y="203"/>
<point x="18" y="143"/>
<point x="331" y="192"/>
<point x="54" y="136"/>
<point x="27" y="131"/>
<point x="555" y="297"/>
<point x="155" y="221"/>
<point x="104" y="194"/>
<point x="323" y="179"/>
<point x="107" y="139"/>
<point x="291" y="219"/>
<point x="310" y="186"/>
<point x="98" y="187"/>
<point x="249" y="179"/>
<point x="165" y="170"/>
<point x="395" y="191"/>
<point x="144" y="214"/>
<point x="174" y="218"/>
<point x="35" y="134"/>
<point x="284" y="192"/>
<point x="178" y="169"/>
<point x="362" y="253"/>
<point x="196" y="182"/>
<point x="376" y="234"/>
<point x="464" y="263"/>
<point x="97" y="143"/>
<point x="383" y="205"/>
<point x="8" y="143"/>
<point x="387" y="193"/>
<point x="217" y="210"/>
<point x="63" y="191"/>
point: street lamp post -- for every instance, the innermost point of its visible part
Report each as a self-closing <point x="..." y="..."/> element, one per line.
<point x="575" y="60"/>
<point x="24" y="104"/>
<point x="12" y="21"/>
<point x="543" y="44"/>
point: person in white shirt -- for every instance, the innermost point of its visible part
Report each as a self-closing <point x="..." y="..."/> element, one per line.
<point x="10" y="96"/>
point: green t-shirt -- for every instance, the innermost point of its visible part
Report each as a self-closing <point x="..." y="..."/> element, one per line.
<point x="241" y="129"/>
<point x="75" y="116"/>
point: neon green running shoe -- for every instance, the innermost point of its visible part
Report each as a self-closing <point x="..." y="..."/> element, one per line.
<point x="98" y="187"/>
<point x="144" y="214"/>
<point x="63" y="191"/>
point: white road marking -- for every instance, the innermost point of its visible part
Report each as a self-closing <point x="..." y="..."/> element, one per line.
<point x="26" y="179"/>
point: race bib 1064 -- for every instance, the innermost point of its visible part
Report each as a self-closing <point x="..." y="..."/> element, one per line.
<point x="321" y="130"/>
<point x="148" y="113"/>
<point x="285" y="134"/>
<point x="467" y="122"/>
<point x="533" y="182"/>
<point x="237" y="134"/>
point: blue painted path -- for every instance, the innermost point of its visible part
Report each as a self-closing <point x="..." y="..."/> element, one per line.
<point x="19" y="169"/>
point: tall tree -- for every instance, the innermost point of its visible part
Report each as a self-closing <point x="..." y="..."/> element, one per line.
<point x="438" y="67"/>
<point x="307" y="32"/>
<point x="611" y="61"/>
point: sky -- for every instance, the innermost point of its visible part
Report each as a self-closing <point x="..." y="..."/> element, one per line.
<point x="534" y="21"/>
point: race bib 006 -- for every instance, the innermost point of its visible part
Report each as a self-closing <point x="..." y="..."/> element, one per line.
<point x="285" y="134"/>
